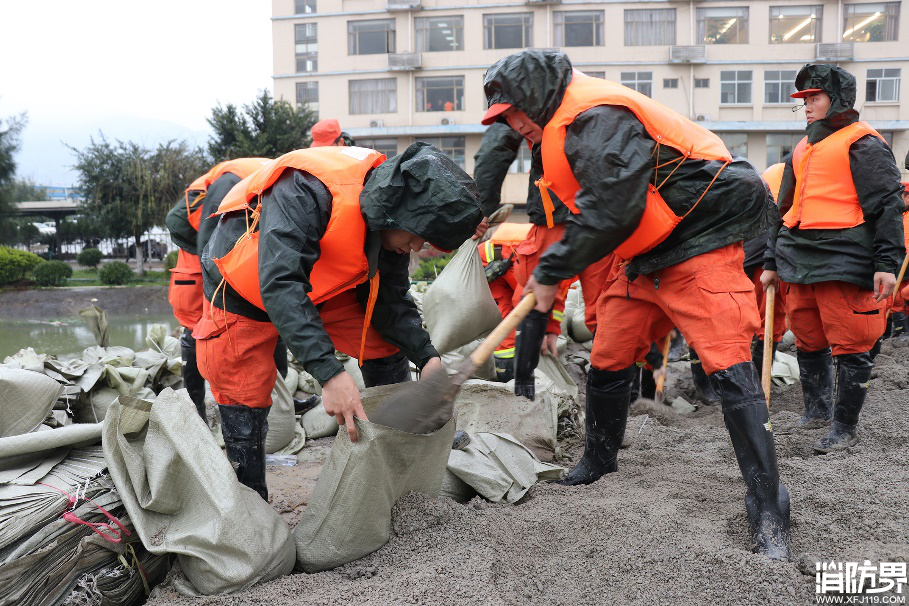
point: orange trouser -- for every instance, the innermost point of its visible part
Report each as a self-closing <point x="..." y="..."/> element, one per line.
<point x="779" y="308"/>
<point x="503" y="291"/>
<point x="899" y="300"/>
<point x="236" y="354"/>
<point x="834" y="314"/>
<point x="709" y="298"/>
<point x="527" y="256"/>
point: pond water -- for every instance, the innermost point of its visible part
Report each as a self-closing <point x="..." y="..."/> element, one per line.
<point x="67" y="337"/>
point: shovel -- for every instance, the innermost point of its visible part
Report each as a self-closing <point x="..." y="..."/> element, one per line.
<point x="767" y="365"/>
<point x="661" y="378"/>
<point x="426" y="405"/>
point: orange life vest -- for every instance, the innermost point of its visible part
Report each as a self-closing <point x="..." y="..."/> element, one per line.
<point x="185" y="292"/>
<point x="242" y="167"/>
<point x="664" y="125"/>
<point x="825" y="196"/>
<point x="773" y="177"/>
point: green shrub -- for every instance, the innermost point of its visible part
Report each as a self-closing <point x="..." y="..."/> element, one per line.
<point x="89" y="257"/>
<point x="429" y="269"/>
<point x="15" y="264"/>
<point x="52" y="273"/>
<point x="116" y="273"/>
<point x="170" y="261"/>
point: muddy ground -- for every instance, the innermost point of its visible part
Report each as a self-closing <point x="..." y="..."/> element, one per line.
<point x="53" y="303"/>
<point x="669" y="527"/>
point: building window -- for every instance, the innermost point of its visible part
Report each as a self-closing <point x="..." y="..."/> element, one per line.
<point x="436" y="34"/>
<point x="670" y="82"/>
<point x="378" y="96"/>
<point x="877" y="22"/>
<point x="308" y="93"/>
<point x="578" y="28"/>
<point x="723" y="25"/>
<point x="522" y="163"/>
<point x="600" y="75"/>
<point x="453" y="146"/>
<point x="650" y="27"/>
<point x="735" y="87"/>
<point x="444" y="94"/>
<point x="888" y="137"/>
<point x="389" y="147"/>
<point x="778" y="85"/>
<point x="792" y="24"/>
<point x="780" y="145"/>
<point x="883" y="84"/>
<point x="507" y="30"/>
<point x="702" y="82"/>
<point x="304" y="7"/>
<point x="736" y="143"/>
<point x="639" y="81"/>
<point x="306" y="47"/>
<point x="374" y="37"/>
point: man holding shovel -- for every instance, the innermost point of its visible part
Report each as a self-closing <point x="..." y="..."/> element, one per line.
<point x="838" y="249"/>
<point x="315" y="247"/>
<point x="665" y="196"/>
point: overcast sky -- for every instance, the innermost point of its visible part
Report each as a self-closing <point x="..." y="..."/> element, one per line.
<point x="145" y="71"/>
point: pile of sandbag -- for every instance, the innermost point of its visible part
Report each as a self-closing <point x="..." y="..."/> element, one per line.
<point x="573" y="324"/>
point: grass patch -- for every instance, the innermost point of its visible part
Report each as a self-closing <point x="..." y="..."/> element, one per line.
<point x="89" y="277"/>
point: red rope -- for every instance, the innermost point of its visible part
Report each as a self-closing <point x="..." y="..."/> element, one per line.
<point x="96" y="527"/>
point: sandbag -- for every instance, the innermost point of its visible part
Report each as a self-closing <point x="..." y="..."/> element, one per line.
<point x="485" y="371"/>
<point x="317" y="423"/>
<point x="26" y="398"/>
<point x="281" y="418"/>
<point x="458" y="307"/>
<point x="349" y="513"/>
<point x="183" y="497"/>
<point x="96" y="319"/>
<point x="554" y="382"/>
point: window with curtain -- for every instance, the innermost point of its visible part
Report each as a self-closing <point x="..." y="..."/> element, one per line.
<point x="306" y="47"/>
<point x="878" y="22"/>
<point x="779" y="145"/>
<point x="507" y="30"/>
<point x="794" y="24"/>
<point x="522" y="163"/>
<point x="304" y="7"/>
<point x="379" y="96"/>
<point x="600" y="75"/>
<point x="435" y="34"/>
<point x="308" y="93"/>
<point x="453" y="146"/>
<point x="883" y="84"/>
<point x="639" y="81"/>
<point x="778" y="85"/>
<point x="442" y="94"/>
<point x="650" y="27"/>
<point x="373" y="37"/>
<point x="735" y="87"/>
<point x="578" y="28"/>
<point x="736" y="143"/>
<point x="389" y="147"/>
<point x="723" y="25"/>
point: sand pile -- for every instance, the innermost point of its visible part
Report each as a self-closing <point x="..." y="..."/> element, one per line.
<point x="668" y="528"/>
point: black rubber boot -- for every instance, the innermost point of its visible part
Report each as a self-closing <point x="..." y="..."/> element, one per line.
<point x="876" y="349"/>
<point x="281" y="357"/>
<point x="704" y="387"/>
<point x="244" y="431"/>
<point x="608" y="400"/>
<point x="304" y="406"/>
<point x="888" y="329"/>
<point x="504" y="369"/>
<point x="853" y="372"/>
<point x="386" y="371"/>
<point x="531" y="332"/>
<point x="636" y="383"/>
<point x="900" y="321"/>
<point x="816" y="374"/>
<point x="748" y="422"/>
<point x="192" y="380"/>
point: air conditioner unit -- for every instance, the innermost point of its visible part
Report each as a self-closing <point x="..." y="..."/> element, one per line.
<point x="376" y="123"/>
<point x="403" y="5"/>
<point x="688" y="54"/>
<point x="446" y="121"/>
<point x="702" y="118"/>
<point x="838" y="51"/>
<point x="404" y="61"/>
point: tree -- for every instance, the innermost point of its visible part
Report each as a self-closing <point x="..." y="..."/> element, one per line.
<point x="267" y="128"/>
<point x="10" y="140"/>
<point x="129" y="188"/>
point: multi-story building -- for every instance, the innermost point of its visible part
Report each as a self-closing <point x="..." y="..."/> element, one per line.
<point x="396" y="71"/>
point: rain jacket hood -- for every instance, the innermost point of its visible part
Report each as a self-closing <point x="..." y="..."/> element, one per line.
<point x="533" y="81"/>
<point x="422" y="191"/>
<point x="840" y="87"/>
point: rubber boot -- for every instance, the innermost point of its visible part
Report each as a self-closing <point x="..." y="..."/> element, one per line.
<point x="192" y="380"/>
<point x="608" y="400"/>
<point x="304" y="406"/>
<point x="504" y="369"/>
<point x="281" y="358"/>
<point x="853" y="372"/>
<point x="900" y="323"/>
<point x="888" y="329"/>
<point x="386" y="371"/>
<point x="636" y="383"/>
<point x="244" y="430"/>
<point x="816" y="374"/>
<point x="531" y="332"/>
<point x="704" y="387"/>
<point x="748" y="422"/>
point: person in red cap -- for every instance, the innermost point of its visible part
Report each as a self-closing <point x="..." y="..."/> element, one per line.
<point x="328" y="132"/>
<point x="837" y="248"/>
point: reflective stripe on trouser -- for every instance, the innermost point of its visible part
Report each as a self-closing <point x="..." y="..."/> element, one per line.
<point x="834" y="314"/>
<point x="708" y="298"/>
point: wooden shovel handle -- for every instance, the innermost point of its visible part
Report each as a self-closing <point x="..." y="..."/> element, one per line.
<point x="899" y="280"/>
<point x="661" y="378"/>
<point x="767" y="365"/>
<point x="511" y="321"/>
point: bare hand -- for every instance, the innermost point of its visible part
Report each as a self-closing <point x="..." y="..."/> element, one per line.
<point x="341" y="398"/>
<point x="481" y="229"/>
<point x="432" y="366"/>
<point x="545" y="293"/>
<point x="884" y="283"/>
<point x="770" y="277"/>
<point x="550" y="345"/>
